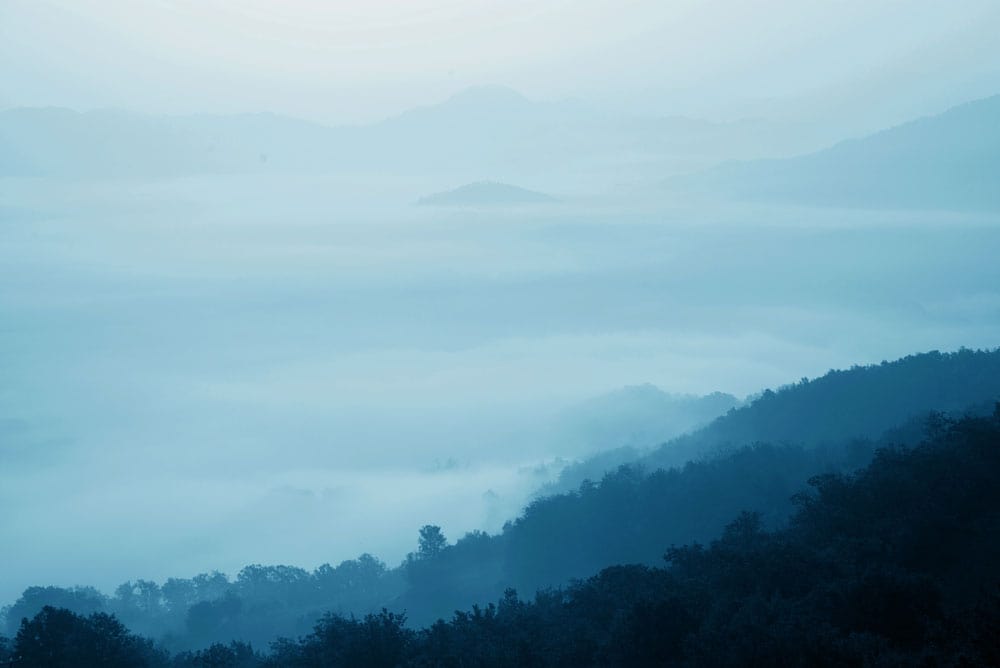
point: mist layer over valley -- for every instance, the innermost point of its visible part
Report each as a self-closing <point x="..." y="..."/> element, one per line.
<point x="648" y="334"/>
<point x="243" y="365"/>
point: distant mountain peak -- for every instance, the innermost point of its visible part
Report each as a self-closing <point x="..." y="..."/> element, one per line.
<point x="948" y="161"/>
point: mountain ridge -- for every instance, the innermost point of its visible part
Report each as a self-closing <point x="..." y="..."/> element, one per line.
<point x="477" y="130"/>
<point x="948" y="160"/>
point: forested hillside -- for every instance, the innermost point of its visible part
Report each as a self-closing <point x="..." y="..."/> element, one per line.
<point x="892" y="565"/>
<point x="753" y="459"/>
<point x="863" y="402"/>
<point x="629" y="516"/>
<point x="860" y="402"/>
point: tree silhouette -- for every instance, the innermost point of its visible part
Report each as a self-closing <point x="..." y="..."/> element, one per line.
<point x="432" y="541"/>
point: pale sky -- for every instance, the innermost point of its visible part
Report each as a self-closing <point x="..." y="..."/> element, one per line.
<point x="360" y="61"/>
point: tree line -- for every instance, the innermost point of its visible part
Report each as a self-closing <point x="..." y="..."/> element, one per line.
<point x="627" y="516"/>
<point x="892" y="565"/>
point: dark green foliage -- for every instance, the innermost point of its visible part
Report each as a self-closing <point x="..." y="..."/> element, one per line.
<point x="894" y="565"/>
<point x="891" y="566"/>
<point x="378" y="641"/>
<point x="59" y="638"/>
<point x="261" y="604"/>
<point x="452" y="577"/>
<point x="81" y="600"/>
<point x="874" y="568"/>
<point x="215" y="619"/>
<point x="431" y="542"/>
<point x="627" y="517"/>
<point x="860" y="402"/>
<point x="233" y="655"/>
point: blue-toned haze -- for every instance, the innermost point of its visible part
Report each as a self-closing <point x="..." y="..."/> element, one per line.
<point x="282" y="282"/>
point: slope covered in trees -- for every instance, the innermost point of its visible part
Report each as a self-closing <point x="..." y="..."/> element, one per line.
<point x="892" y="565"/>
<point x="627" y="517"/>
<point x="860" y="402"/>
<point x="763" y="455"/>
<point x="259" y="604"/>
<point x="863" y="402"/>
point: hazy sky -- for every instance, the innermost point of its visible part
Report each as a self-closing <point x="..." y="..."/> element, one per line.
<point x="358" y="61"/>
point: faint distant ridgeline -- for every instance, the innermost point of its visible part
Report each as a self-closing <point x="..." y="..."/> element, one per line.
<point x="949" y="161"/>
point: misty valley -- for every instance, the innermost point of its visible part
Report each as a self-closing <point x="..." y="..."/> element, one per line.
<point x="805" y="523"/>
<point x="315" y="351"/>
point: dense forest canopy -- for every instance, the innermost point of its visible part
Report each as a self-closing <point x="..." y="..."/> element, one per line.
<point x="860" y="402"/>
<point x="891" y="565"/>
<point x="630" y="515"/>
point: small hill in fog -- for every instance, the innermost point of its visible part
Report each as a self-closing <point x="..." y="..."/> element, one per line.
<point x="642" y="416"/>
<point x="486" y="193"/>
<point x="619" y="426"/>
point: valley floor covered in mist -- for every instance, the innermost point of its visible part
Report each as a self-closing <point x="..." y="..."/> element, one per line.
<point x="299" y="369"/>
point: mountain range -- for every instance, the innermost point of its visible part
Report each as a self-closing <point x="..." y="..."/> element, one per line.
<point x="486" y="131"/>
<point x="947" y="161"/>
